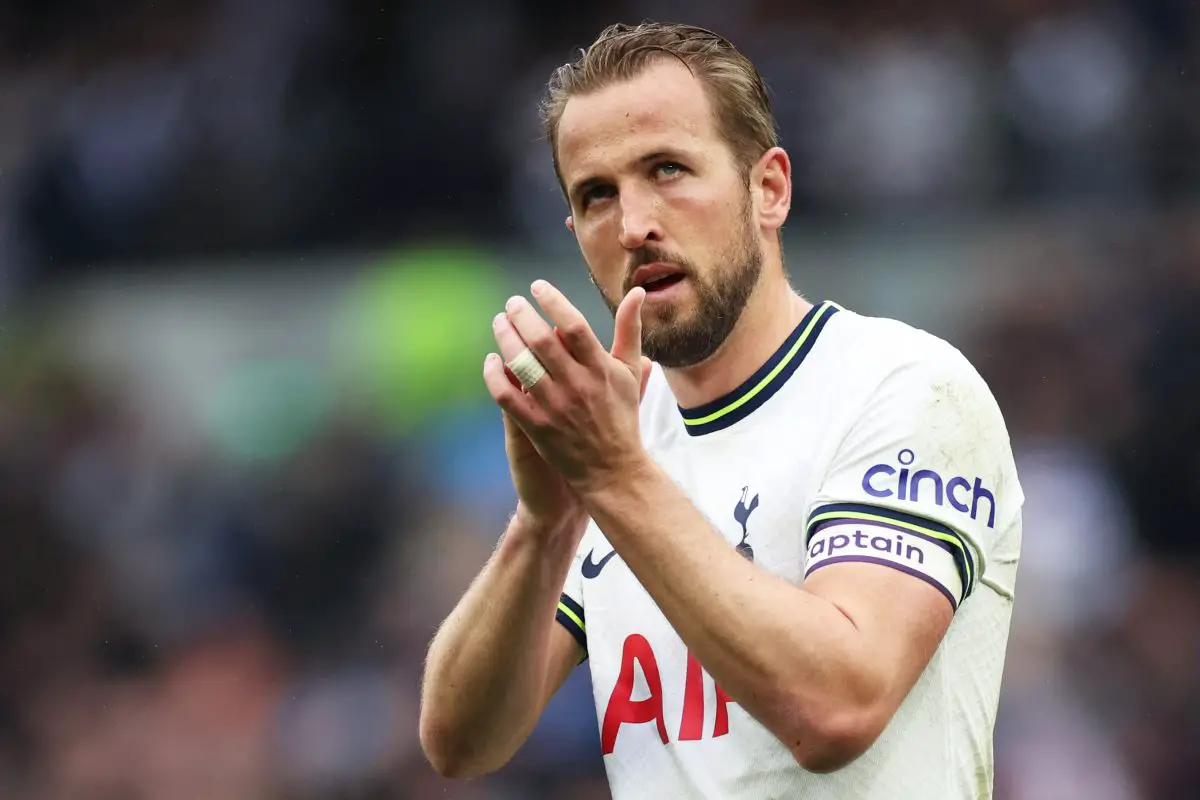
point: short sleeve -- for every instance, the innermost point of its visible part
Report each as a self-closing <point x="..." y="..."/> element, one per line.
<point x="570" y="603"/>
<point x="923" y="480"/>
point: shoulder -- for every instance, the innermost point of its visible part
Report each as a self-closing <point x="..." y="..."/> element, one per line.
<point x="884" y="344"/>
<point x="894" y="359"/>
<point x="909" y="394"/>
<point x="924" y="438"/>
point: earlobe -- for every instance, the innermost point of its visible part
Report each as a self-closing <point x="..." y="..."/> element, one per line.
<point x="570" y="223"/>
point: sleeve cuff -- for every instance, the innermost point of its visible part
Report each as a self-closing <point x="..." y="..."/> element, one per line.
<point x="570" y="616"/>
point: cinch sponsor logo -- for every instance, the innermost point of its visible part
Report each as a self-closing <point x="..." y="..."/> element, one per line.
<point x="889" y="544"/>
<point x="885" y="480"/>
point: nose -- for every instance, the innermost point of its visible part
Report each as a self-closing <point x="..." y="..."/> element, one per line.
<point x="639" y="219"/>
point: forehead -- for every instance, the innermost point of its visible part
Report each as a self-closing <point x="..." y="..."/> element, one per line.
<point x="664" y="107"/>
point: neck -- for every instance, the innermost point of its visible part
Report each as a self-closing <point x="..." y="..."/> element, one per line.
<point x="771" y="314"/>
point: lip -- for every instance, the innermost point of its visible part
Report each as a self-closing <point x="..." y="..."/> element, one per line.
<point x="671" y="293"/>
<point x="653" y="272"/>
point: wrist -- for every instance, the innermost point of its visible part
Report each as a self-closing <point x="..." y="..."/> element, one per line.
<point x="567" y="527"/>
<point x="616" y="483"/>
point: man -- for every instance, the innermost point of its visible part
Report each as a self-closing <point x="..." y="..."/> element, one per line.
<point x="784" y="535"/>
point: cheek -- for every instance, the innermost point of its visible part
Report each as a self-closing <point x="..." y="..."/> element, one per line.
<point x="706" y="214"/>
<point x="604" y="255"/>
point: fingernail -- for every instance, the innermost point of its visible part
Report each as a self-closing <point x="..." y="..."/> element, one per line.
<point x="513" y="303"/>
<point x="538" y="286"/>
<point x="496" y="320"/>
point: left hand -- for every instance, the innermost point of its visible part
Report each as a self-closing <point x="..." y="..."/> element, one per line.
<point x="582" y="415"/>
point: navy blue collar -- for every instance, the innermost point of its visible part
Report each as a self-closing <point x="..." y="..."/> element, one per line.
<point x="765" y="382"/>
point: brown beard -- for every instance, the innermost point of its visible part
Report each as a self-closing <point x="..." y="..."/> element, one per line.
<point x="677" y="343"/>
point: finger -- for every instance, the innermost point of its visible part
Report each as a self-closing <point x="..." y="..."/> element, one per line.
<point x="538" y="336"/>
<point x="512" y="378"/>
<point x="572" y="327"/>
<point x="627" y="330"/>
<point x="511" y="345"/>
<point x="507" y="392"/>
<point x="647" y="368"/>
<point x="508" y="340"/>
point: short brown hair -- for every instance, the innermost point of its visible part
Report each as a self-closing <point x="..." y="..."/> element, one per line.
<point x="734" y="86"/>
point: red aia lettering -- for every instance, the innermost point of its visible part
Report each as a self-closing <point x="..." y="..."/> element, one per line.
<point x="693" y="702"/>
<point x="693" y="705"/>
<point x="721" y="723"/>
<point x="621" y="708"/>
<point x="621" y="705"/>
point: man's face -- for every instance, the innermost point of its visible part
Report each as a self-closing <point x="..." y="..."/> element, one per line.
<point x="658" y="201"/>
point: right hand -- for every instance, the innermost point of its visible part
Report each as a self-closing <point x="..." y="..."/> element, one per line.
<point x="545" y="501"/>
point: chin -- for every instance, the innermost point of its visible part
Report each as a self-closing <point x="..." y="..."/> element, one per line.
<point x="664" y="323"/>
<point x="668" y="312"/>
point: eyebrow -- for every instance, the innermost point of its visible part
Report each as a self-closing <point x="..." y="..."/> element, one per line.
<point x="664" y="154"/>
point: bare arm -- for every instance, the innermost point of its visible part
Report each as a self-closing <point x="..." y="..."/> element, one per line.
<point x="500" y="656"/>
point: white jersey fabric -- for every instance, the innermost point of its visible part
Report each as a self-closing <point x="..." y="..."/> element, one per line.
<point x="862" y="439"/>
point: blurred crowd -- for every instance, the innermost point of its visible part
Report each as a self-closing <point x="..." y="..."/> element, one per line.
<point x="181" y="618"/>
<point x="190" y="621"/>
<point x="1096" y="364"/>
<point x="157" y="128"/>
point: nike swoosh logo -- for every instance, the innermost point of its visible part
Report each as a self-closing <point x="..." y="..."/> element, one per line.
<point x="591" y="569"/>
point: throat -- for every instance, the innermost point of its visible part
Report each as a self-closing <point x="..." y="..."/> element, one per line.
<point x="755" y="339"/>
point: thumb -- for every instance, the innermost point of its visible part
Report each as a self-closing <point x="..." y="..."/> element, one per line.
<point x="627" y="331"/>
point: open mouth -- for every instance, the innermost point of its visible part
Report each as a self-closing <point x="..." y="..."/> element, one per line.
<point x="657" y="277"/>
<point x="659" y="284"/>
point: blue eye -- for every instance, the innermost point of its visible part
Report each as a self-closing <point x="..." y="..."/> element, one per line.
<point x="669" y="169"/>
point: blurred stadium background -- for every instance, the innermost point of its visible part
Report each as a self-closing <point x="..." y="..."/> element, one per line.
<point x="249" y="250"/>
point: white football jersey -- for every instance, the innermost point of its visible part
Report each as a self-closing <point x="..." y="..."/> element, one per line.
<point x="861" y="439"/>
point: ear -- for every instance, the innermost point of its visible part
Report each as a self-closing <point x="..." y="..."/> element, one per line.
<point x="771" y="183"/>
<point x="570" y="222"/>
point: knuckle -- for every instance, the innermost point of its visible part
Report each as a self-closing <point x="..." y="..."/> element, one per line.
<point x="505" y="401"/>
<point x="567" y="392"/>
<point x="557" y="404"/>
<point x="534" y="420"/>
<point x="505" y="397"/>
<point x="575" y="331"/>
<point x="573" y="407"/>
<point x="541" y="341"/>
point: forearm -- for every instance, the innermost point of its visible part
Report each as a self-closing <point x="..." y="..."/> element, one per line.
<point x="793" y="660"/>
<point x="487" y="666"/>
